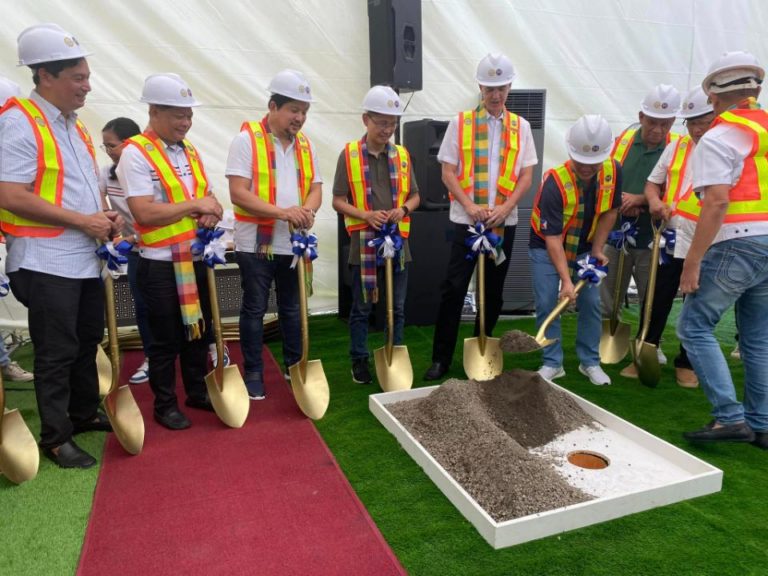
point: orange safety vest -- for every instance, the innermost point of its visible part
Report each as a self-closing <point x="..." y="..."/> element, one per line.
<point x="569" y="190"/>
<point x="507" y="179"/>
<point x="263" y="174"/>
<point x="153" y="150"/>
<point x="356" y="178"/>
<point x="49" y="182"/>
<point x="684" y="201"/>
<point x="625" y="140"/>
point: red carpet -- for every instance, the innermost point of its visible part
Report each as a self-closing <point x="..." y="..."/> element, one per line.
<point x="266" y="499"/>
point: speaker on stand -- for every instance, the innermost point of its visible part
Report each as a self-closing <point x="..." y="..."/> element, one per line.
<point x="394" y="32"/>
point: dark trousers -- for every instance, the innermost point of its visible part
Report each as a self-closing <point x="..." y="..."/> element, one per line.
<point x="667" y="285"/>
<point x="157" y="282"/>
<point x="66" y="323"/>
<point x="454" y="289"/>
<point x="142" y="320"/>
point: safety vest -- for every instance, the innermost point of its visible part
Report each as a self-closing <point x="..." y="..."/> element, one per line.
<point x="625" y="140"/>
<point x="684" y="201"/>
<point x="49" y="182"/>
<point x="569" y="190"/>
<point x="507" y="179"/>
<point x="356" y="177"/>
<point x="153" y="150"/>
<point x="264" y="184"/>
<point x="748" y="198"/>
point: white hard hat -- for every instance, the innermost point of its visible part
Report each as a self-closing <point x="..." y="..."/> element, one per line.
<point x="8" y="89"/>
<point x="733" y="71"/>
<point x="384" y="100"/>
<point x="663" y="102"/>
<point x="696" y="103"/>
<point x="291" y="84"/>
<point x="495" y="70"/>
<point x="47" y="43"/>
<point x="167" y="89"/>
<point x="590" y="139"/>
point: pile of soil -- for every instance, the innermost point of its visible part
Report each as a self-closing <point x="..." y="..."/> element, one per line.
<point x="517" y="341"/>
<point x="480" y="432"/>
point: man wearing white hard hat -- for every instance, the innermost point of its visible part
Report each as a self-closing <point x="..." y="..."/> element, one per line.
<point x="726" y="263"/>
<point x="170" y="197"/>
<point x="53" y="217"/>
<point x="487" y="157"/>
<point x="670" y="198"/>
<point x="274" y="185"/>
<point x="574" y="211"/>
<point x="638" y="149"/>
<point x="374" y="187"/>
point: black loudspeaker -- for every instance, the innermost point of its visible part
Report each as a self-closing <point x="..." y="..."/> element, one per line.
<point x="422" y="138"/>
<point x="394" y="31"/>
<point x="342" y="267"/>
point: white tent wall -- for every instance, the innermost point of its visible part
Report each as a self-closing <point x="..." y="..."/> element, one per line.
<point x="592" y="56"/>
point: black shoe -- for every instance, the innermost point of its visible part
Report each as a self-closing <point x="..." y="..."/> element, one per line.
<point x="100" y="423"/>
<point x="360" y="371"/>
<point x="200" y="404"/>
<point x="740" y="432"/>
<point x="69" y="455"/>
<point x="172" y="419"/>
<point x="436" y="371"/>
<point x="761" y="440"/>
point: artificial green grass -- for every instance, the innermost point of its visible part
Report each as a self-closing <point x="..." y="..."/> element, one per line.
<point x="722" y="533"/>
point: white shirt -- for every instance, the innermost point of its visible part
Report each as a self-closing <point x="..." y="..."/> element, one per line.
<point x="112" y="189"/>
<point x="138" y="178"/>
<point x="240" y="163"/>
<point x="450" y="153"/>
<point x="719" y="159"/>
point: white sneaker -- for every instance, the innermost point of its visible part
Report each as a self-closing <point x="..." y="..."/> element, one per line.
<point x="595" y="374"/>
<point x="551" y="372"/>
<point x="141" y="375"/>
<point x="660" y="356"/>
<point x="214" y="355"/>
<point x="12" y="371"/>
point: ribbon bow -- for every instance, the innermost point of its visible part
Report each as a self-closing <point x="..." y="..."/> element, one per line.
<point x="303" y="245"/>
<point x="588" y="269"/>
<point x="210" y="246"/>
<point x="626" y="234"/>
<point x="483" y="240"/>
<point x="387" y="243"/>
<point x="115" y="257"/>
<point x="667" y="246"/>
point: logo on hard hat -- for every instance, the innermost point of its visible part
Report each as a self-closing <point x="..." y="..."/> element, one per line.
<point x="303" y="89"/>
<point x="183" y="93"/>
<point x="69" y="41"/>
<point x="595" y="148"/>
<point x="690" y="105"/>
<point x="657" y="104"/>
<point x="390" y="104"/>
<point x="664" y="105"/>
<point x="586" y="148"/>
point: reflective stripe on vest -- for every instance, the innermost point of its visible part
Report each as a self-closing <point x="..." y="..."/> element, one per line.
<point x="510" y="135"/>
<point x="356" y="179"/>
<point x="263" y="175"/>
<point x="569" y="191"/>
<point x="625" y="140"/>
<point x="175" y="190"/>
<point x="683" y="201"/>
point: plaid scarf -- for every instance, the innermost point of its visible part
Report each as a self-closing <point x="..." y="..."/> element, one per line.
<point x="186" y="288"/>
<point x="482" y="161"/>
<point x="265" y="232"/>
<point x="368" y="253"/>
<point x="573" y="235"/>
<point x="749" y="103"/>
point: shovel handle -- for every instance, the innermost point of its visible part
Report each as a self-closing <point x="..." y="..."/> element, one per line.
<point x="114" y="347"/>
<point x="480" y="290"/>
<point x="213" y="295"/>
<point x="556" y="312"/>
<point x="303" y="315"/>
<point x="651" y="287"/>
<point x="2" y="405"/>
<point x="390" y="309"/>
<point x="614" y="320"/>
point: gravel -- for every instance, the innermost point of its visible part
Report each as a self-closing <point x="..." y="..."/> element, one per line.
<point x="517" y="341"/>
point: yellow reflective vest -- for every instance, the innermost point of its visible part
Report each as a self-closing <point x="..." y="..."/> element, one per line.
<point x="625" y="140"/>
<point x="684" y="202"/>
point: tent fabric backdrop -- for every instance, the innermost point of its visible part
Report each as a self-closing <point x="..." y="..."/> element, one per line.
<point x="592" y="56"/>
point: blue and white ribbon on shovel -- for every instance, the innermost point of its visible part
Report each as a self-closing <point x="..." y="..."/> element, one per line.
<point x="210" y="246"/>
<point x="625" y="235"/>
<point x="303" y="245"/>
<point x="115" y="257"/>
<point x="667" y="246"/>
<point x="387" y="243"/>
<point x="588" y="269"/>
<point x="482" y="240"/>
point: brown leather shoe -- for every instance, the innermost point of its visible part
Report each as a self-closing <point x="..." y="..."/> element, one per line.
<point x="686" y="378"/>
<point x="629" y="371"/>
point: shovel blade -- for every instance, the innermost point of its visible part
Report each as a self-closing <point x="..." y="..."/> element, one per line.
<point x="19" y="456"/>
<point x="614" y="345"/>
<point x="647" y="362"/>
<point x="397" y="374"/>
<point x="125" y="417"/>
<point x="229" y="397"/>
<point x="485" y="365"/>
<point x="310" y="389"/>
<point x="104" y="370"/>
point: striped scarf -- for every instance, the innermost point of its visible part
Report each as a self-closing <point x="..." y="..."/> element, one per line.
<point x="572" y="237"/>
<point x="265" y="232"/>
<point x="749" y="103"/>
<point x="482" y="161"/>
<point x="368" y="253"/>
<point x="186" y="288"/>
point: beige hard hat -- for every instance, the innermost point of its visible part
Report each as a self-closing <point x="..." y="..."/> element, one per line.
<point x="663" y="101"/>
<point x="495" y="70"/>
<point x="696" y="104"/>
<point x="8" y="89"/>
<point x="47" y="43"/>
<point x="167" y="89"/>
<point x="590" y="139"/>
<point x="733" y="71"/>
<point x="383" y="100"/>
<point x="291" y="84"/>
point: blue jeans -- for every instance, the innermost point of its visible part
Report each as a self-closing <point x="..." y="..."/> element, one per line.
<point x="256" y="275"/>
<point x="546" y="288"/>
<point x="142" y="317"/>
<point x="732" y="272"/>
<point x="358" y="315"/>
<point x="5" y="358"/>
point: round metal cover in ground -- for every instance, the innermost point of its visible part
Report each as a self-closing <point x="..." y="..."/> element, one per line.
<point x="588" y="459"/>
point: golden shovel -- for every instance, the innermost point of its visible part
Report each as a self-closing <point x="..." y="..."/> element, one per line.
<point x="19" y="456"/>
<point x="483" y="359"/>
<point x="308" y="381"/>
<point x="119" y="403"/>
<point x="393" y="364"/>
<point x="614" y="340"/>
<point x="646" y="355"/>
<point x="104" y="370"/>
<point x="540" y="338"/>
<point x="226" y="387"/>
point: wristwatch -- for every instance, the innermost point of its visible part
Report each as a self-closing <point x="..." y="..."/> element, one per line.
<point x="405" y="209"/>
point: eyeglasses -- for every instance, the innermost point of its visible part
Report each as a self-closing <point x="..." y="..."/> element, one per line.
<point x="383" y="124"/>
<point x="108" y="147"/>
